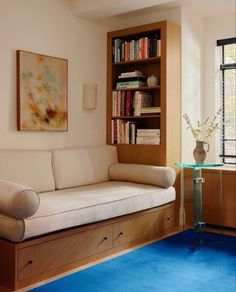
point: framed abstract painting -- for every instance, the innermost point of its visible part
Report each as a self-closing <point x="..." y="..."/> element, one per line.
<point x="42" y="92"/>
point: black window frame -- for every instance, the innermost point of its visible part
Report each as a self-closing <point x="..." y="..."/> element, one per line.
<point x="223" y="68"/>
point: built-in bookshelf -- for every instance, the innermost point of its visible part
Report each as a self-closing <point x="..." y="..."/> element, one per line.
<point x="141" y="116"/>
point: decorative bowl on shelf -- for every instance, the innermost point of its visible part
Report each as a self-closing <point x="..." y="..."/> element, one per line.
<point x="152" y="81"/>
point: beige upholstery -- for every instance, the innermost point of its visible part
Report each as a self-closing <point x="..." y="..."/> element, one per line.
<point x="17" y="201"/>
<point x="11" y="228"/>
<point x="82" y="166"/>
<point x="146" y="174"/>
<point x="85" y="194"/>
<point x="32" y="168"/>
<point x="78" y="206"/>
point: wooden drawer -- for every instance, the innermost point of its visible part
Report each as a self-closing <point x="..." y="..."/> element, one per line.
<point x="55" y="253"/>
<point x="143" y="226"/>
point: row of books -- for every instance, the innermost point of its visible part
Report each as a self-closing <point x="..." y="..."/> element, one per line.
<point x="142" y="48"/>
<point x="123" y="132"/>
<point x="126" y="132"/>
<point x="132" y="103"/>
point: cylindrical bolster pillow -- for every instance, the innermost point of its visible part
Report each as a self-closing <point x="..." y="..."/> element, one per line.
<point x="146" y="174"/>
<point x="18" y="201"/>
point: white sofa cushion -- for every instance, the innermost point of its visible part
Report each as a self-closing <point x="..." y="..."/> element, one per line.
<point x="78" y="206"/>
<point x="17" y="201"/>
<point x="146" y="174"/>
<point x="32" y="168"/>
<point x="11" y="228"/>
<point x="82" y="166"/>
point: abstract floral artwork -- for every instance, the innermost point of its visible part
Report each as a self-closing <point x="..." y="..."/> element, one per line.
<point x="41" y="92"/>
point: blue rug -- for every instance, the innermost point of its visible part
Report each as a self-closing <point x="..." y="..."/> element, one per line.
<point x="168" y="265"/>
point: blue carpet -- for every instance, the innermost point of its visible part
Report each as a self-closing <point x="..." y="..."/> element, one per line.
<point x="168" y="265"/>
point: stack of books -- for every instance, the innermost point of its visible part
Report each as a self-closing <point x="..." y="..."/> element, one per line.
<point x="142" y="48"/>
<point x="130" y="103"/>
<point x="131" y="80"/>
<point x="148" y="136"/>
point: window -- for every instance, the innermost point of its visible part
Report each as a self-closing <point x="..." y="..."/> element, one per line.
<point x="227" y="80"/>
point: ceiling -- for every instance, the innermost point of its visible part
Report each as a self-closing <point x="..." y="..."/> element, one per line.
<point x="99" y="9"/>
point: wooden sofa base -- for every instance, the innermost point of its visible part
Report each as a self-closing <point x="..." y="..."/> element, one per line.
<point x="34" y="260"/>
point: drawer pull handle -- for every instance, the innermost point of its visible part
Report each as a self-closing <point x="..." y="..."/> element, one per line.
<point x="121" y="233"/>
<point x="30" y="262"/>
<point x="168" y="218"/>
<point x="105" y="238"/>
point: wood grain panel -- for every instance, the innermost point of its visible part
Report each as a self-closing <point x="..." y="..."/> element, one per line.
<point x="7" y="264"/>
<point x="141" y="227"/>
<point x="88" y="243"/>
<point x="217" y="209"/>
<point x="25" y="263"/>
<point x="50" y="255"/>
<point x="141" y="154"/>
<point x="167" y="68"/>
<point x="229" y="199"/>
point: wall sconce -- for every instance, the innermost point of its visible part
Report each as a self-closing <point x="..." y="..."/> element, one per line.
<point x="89" y="98"/>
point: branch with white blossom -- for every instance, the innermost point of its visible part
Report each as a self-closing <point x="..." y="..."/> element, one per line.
<point x="203" y="132"/>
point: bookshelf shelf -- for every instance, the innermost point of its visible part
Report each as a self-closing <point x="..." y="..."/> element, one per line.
<point x="137" y="146"/>
<point x="138" y="117"/>
<point x="163" y="62"/>
<point x="151" y="60"/>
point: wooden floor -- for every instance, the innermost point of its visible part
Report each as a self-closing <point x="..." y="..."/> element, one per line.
<point x="170" y="232"/>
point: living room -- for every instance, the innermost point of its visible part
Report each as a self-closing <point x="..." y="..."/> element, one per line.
<point x="76" y="31"/>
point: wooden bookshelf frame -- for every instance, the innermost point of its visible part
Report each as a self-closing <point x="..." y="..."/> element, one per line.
<point x="168" y="68"/>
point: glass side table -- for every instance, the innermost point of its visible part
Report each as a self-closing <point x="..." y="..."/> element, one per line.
<point x="197" y="194"/>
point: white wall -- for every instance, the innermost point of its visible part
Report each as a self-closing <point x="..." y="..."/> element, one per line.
<point x="192" y="46"/>
<point x="217" y="27"/>
<point x="134" y="19"/>
<point x="49" y="27"/>
<point x="97" y="9"/>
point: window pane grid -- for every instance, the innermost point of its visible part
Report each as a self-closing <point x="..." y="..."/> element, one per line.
<point x="226" y="70"/>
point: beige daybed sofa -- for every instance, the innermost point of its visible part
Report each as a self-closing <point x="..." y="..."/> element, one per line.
<point x="46" y="191"/>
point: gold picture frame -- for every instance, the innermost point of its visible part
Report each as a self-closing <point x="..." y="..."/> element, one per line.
<point x="42" y="92"/>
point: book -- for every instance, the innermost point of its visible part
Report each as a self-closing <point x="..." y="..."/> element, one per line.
<point x="117" y="49"/>
<point x="146" y="99"/>
<point x="150" y="110"/>
<point x="137" y="103"/>
<point x="128" y="104"/>
<point x="134" y="78"/>
<point x="148" y="131"/>
<point x="134" y="73"/>
<point x="154" y="133"/>
<point x="130" y="84"/>
<point x="141" y="99"/>
<point x="148" y="134"/>
<point x="148" y="140"/>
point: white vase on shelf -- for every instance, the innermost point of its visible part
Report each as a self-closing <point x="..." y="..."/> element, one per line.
<point x="152" y="80"/>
